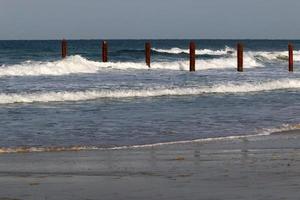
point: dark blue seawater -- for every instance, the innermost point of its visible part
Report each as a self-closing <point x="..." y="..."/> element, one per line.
<point x="46" y="101"/>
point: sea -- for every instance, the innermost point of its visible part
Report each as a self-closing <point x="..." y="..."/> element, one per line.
<point x="48" y="103"/>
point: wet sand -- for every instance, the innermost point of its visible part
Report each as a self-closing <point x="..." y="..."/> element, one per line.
<point x="265" y="167"/>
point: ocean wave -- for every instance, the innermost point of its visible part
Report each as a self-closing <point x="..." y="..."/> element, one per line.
<point x="7" y="150"/>
<point x="264" y="56"/>
<point x="77" y="65"/>
<point x="284" y="129"/>
<point x="90" y="148"/>
<point x="147" y="92"/>
<point x="176" y="50"/>
<point x="264" y="132"/>
<point x="70" y="65"/>
<point x="275" y="56"/>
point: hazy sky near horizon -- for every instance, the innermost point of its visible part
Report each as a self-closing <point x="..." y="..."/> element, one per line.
<point x="150" y="19"/>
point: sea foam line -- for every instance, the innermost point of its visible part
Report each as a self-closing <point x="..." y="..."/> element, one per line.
<point x="264" y="132"/>
<point x="147" y="92"/>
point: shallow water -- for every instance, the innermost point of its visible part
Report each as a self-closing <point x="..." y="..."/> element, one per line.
<point x="79" y="101"/>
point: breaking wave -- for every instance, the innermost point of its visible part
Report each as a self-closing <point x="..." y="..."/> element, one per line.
<point x="284" y="129"/>
<point x="175" y="50"/>
<point x="147" y="92"/>
<point x="275" y="56"/>
<point x="227" y="51"/>
<point x="77" y="64"/>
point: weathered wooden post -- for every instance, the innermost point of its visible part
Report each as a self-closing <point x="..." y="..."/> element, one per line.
<point x="64" y="48"/>
<point x="104" y="51"/>
<point x="240" y="60"/>
<point x="192" y="56"/>
<point x="148" y="54"/>
<point x="291" y="57"/>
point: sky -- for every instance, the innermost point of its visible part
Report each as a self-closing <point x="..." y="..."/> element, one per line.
<point x="149" y="19"/>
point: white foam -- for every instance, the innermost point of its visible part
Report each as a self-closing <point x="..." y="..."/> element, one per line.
<point x="176" y="50"/>
<point x="147" y="92"/>
<point x="72" y="64"/>
<point x="274" y="56"/>
<point x="282" y="129"/>
<point x="260" y="55"/>
<point x="77" y="65"/>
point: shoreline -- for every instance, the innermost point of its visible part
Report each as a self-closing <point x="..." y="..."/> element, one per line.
<point x="250" y="168"/>
<point x="283" y="130"/>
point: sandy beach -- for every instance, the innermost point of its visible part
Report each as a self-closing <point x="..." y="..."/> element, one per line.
<point x="265" y="167"/>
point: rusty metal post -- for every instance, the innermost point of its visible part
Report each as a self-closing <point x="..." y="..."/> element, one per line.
<point x="291" y="58"/>
<point x="240" y="60"/>
<point x="148" y="53"/>
<point x="104" y="51"/>
<point x="192" y="56"/>
<point x="64" y="48"/>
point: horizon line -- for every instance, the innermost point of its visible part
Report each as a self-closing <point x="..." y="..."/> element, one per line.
<point x="145" y="39"/>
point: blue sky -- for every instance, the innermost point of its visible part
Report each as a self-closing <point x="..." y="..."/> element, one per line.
<point x="150" y="19"/>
